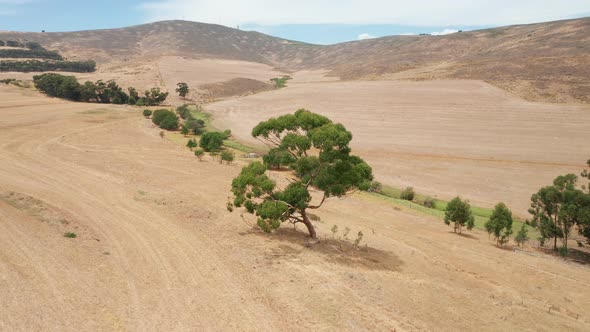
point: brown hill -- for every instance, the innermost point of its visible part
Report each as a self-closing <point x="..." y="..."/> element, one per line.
<point x="546" y="61"/>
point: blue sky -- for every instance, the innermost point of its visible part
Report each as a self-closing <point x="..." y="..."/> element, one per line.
<point x="314" y="21"/>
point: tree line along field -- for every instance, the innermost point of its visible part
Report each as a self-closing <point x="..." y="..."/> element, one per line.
<point x="35" y="58"/>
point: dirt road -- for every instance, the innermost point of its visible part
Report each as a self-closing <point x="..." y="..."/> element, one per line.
<point x="156" y="248"/>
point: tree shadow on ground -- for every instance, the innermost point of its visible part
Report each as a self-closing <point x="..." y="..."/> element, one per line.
<point x="294" y="243"/>
<point x="574" y="255"/>
<point x="465" y="235"/>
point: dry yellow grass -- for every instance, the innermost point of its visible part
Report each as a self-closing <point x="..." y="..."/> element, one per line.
<point x="157" y="250"/>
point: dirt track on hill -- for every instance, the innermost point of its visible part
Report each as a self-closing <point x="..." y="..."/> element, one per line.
<point x="157" y="250"/>
<point x="442" y="137"/>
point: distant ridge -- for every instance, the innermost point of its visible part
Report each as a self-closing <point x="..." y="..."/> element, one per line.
<point x="545" y="61"/>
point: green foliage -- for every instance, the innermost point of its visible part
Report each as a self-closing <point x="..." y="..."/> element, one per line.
<point x="277" y="158"/>
<point x="30" y="54"/>
<point x="280" y="82"/>
<point x="227" y="156"/>
<point x="184" y="130"/>
<point x="165" y="119"/>
<point x="153" y="97"/>
<point x="27" y="66"/>
<point x="408" y="194"/>
<point x="500" y="224"/>
<point x="182" y="89"/>
<point x="317" y="151"/>
<point x="14" y="43"/>
<point x="184" y="112"/>
<point x="147" y="113"/>
<point x="429" y="202"/>
<point x="211" y="141"/>
<point x="556" y="209"/>
<point x="67" y="87"/>
<point x="459" y="213"/>
<point x="70" y="235"/>
<point x="192" y="143"/>
<point x="199" y="153"/>
<point x="522" y="236"/>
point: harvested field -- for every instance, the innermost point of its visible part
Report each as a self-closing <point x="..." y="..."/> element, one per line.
<point x="441" y="137"/>
<point x="157" y="250"/>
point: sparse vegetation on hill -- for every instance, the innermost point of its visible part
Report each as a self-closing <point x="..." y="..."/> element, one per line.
<point x="40" y="66"/>
<point x="67" y="87"/>
<point x="280" y="82"/>
<point x="332" y="170"/>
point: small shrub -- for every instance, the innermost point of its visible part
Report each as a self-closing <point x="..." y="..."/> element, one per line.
<point x="70" y="235"/>
<point x="429" y="202"/>
<point x="227" y="156"/>
<point x="334" y="230"/>
<point x="376" y="187"/>
<point x="184" y="130"/>
<point x="408" y="194"/>
<point x="523" y="236"/>
<point x="191" y="144"/>
<point x="359" y="238"/>
<point x="147" y="113"/>
<point x="199" y="153"/>
<point x="562" y="251"/>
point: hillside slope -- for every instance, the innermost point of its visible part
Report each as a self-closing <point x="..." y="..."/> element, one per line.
<point x="544" y="62"/>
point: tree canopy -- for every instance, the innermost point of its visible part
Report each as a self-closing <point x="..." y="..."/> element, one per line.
<point x="182" y="89"/>
<point x="500" y="224"/>
<point x="459" y="213"/>
<point x="320" y="158"/>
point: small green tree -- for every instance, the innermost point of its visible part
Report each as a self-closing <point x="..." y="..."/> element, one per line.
<point x="227" y="156"/>
<point x="191" y="144"/>
<point x="211" y="141"/>
<point x="182" y="89"/>
<point x="147" y="113"/>
<point x="199" y="153"/>
<point x="500" y="224"/>
<point x="522" y="236"/>
<point x="459" y="213"/>
<point x="322" y="160"/>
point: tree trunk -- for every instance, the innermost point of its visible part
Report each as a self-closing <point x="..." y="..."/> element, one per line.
<point x="309" y="225"/>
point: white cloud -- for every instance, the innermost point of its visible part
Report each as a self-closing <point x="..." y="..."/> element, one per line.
<point x="364" y="36"/>
<point x="408" y="34"/>
<point x="401" y="12"/>
<point x="444" y="32"/>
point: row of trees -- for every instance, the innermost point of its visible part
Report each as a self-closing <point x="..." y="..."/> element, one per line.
<point x="48" y="65"/>
<point x="38" y="53"/>
<point x="67" y="87"/>
<point x="556" y="210"/>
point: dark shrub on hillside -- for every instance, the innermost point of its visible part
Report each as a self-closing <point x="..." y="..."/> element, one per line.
<point x="169" y="123"/>
<point x="27" y="66"/>
<point x="184" y="112"/>
<point x="197" y="126"/>
<point x="407" y="194"/>
<point x="429" y="202"/>
<point x="2" y="43"/>
<point x="55" y="85"/>
<point x="159" y="115"/>
<point x="147" y="113"/>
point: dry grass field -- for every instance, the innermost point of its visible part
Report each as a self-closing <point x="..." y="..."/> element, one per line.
<point x="157" y="250"/>
<point x="442" y="137"/>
